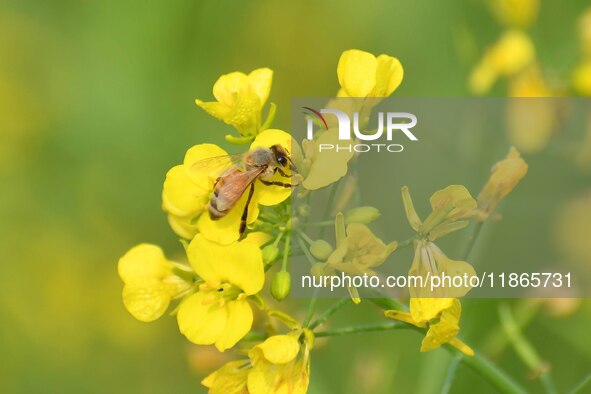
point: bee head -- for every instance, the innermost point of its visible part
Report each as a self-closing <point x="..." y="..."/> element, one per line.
<point x="282" y="157"/>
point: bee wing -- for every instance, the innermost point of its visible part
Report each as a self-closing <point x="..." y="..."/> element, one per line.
<point x="213" y="167"/>
<point x="232" y="186"/>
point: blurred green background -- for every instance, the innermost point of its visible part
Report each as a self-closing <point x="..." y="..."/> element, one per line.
<point x="97" y="103"/>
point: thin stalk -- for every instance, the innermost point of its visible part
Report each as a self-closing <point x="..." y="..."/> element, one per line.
<point x="472" y="240"/>
<point x="329" y="312"/>
<point x="360" y="329"/>
<point x="581" y="385"/>
<point x="524" y="349"/>
<point x="451" y="374"/>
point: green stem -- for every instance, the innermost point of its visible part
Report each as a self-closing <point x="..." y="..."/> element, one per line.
<point x="359" y="329"/>
<point x="490" y="372"/>
<point x="451" y="374"/>
<point x="472" y="240"/>
<point x="329" y="312"/>
<point x="524" y="348"/>
<point x="286" y="248"/>
<point x="406" y="243"/>
<point x="581" y="385"/>
<point x="311" y="308"/>
<point x="329" y="204"/>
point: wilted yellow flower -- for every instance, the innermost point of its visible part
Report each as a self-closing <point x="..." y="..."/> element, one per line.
<point x="508" y="56"/>
<point x="362" y="74"/>
<point x="441" y="317"/>
<point x="449" y="206"/>
<point x="151" y="281"/>
<point x="430" y="261"/>
<point x="240" y="99"/>
<point x="360" y="251"/>
<point x="320" y="169"/>
<point x="219" y="312"/>
<point x="278" y="367"/>
<point x="515" y="13"/>
<point x="506" y="174"/>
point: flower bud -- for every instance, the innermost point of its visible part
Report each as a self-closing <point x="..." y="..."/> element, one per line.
<point x="363" y="215"/>
<point x="281" y="285"/>
<point x="270" y="253"/>
<point x="321" y="249"/>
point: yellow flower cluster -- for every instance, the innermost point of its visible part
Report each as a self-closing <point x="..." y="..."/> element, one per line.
<point x="234" y="218"/>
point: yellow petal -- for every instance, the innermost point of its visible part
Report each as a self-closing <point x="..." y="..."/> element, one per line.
<point x="202" y="324"/>
<point x="258" y="238"/>
<point x="181" y="196"/>
<point x="388" y="76"/>
<point x="279" y="349"/>
<point x="226" y="229"/>
<point x="357" y="72"/>
<point x="229" y="379"/>
<point x="462" y="347"/>
<point x="444" y="330"/>
<point x="143" y="261"/>
<point x="237" y="326"/>
<point x="411" y="214"/>
<point x="227" y="87"/>
<point x="211" y="161"/>
<point x="239" y="263"/>
<point x="426" y="309"/>
<point x="273" y="195"/>
<point x="184" y="226"/>
<point x="403" y="317"/>
<point x="261" y="80"/>
<point x="327" y="166"/>
<point x="146" y="299"/>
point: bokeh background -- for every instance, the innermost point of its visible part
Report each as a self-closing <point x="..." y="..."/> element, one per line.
<point x="97" y="103"/>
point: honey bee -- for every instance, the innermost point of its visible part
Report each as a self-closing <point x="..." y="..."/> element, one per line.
<point x="244" y="169"/>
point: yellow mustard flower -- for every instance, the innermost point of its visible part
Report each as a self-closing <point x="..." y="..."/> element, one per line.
<point x="441" y="317"/>
<point x="360" y="251"/>
<point x="515" y="13"/>
<point x="151" y="281"/>
<point x="511" y="54"/>
<point x="362" y="74"/>
<point x="430" y="261"/>
<point x="505" y="175"/>
<point x="219" y="312"/>
<point x="229" y="379"/>
<point x="278" y="366"/>
<point x="449" y="206"/>
<point x="240" y="99"/>
<point x="320" y="169"/>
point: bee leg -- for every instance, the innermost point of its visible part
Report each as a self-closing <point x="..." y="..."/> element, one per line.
<point x="245" y="212"/>
<point x="275" y="183"/>
<point x="282" y="173"/>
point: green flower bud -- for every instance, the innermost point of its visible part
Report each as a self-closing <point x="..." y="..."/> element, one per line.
<point x="270" y="253"/>
<point x="304" y="210"/>
<point x="363" y="215"/>
<point x="281" y="285"/>
<point x="321" y="249"/>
